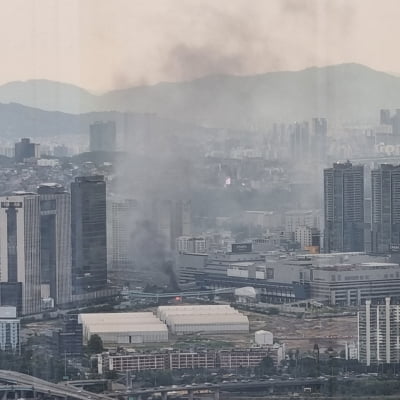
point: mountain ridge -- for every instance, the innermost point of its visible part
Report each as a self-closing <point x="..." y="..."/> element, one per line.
<point x="343" y="92"/>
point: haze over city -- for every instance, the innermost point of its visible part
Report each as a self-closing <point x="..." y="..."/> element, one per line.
<point x="199" y="199"/>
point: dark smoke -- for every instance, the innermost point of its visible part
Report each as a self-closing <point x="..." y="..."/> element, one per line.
<point x="149" y="254"/>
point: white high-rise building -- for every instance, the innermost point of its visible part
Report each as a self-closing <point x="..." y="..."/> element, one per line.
<point x="20" y="252"/>
<point x="379" y="333"/>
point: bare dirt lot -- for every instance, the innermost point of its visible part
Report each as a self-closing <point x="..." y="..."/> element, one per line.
<point x="297" y="333"/>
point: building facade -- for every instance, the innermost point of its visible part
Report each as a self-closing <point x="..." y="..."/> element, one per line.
<point x="190" y="244"/>
<point x="378" y="333"/>
<point x="197" y="359"/>
<point x="122" y="219"/>
<point x="103" y="136"/>
<point x="70" y="338"/>
<point x="20" y="252"/>
<point x="172" y="219"/>
<point x="9" y="330"/>
<point x="385" y="208"/>
<point x="353" y="284"/>
<point x="89" y="234"/>
<point x="297" y="218"/>
<point x="25" y="149"/>
<point x="55" y="241"/>
<point x="344" y="208"/>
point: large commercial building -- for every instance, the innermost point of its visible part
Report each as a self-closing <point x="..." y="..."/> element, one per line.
<point x="55" y="241"/>
<point x="204" y="319"/>
<point x="334" y="278"/>
<point x="89" y="234"/>
<point x="20" y="252"/>
<point x="103" y="136"/>
<point x="385" y="208"/>
<point x="353" y="284"/>
<point x="379" y="333"/>
<point x="344" y="208"/>
<point x="190" y="266"/>
<point x="124" y="328"/>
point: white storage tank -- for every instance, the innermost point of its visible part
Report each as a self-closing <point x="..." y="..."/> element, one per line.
<point x="263" y="338"/>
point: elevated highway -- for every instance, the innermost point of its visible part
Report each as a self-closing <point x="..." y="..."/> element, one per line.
<point x="269" y="386"/>
<point x="17" y="384"/>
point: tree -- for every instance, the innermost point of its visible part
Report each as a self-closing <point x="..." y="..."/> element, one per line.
<point x="266" y="367"/>
<point x="95" y="344"/>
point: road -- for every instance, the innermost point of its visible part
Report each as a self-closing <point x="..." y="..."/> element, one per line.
<point x="62" y="391"/>
<point x="227" y="386"/>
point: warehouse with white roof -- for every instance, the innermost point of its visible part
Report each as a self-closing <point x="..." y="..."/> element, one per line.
<point x="124" y="328"/>
<point x="208" y="319"/>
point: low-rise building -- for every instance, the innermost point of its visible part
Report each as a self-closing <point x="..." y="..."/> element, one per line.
<point x="214" y="319"/>
<point x="190" y="244"/>
<point x="70" y="338"/>
<point x="9" y="330"/>
<point x="194" y="359"/>
<point x="124" y="328"/>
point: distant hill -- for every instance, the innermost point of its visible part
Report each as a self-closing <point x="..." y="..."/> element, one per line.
<point x="347" y="92"/>
<point x="48" y="95"/>
<point x="18" y="121"/>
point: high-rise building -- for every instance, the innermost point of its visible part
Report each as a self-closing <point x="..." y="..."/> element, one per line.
<point x="123" y="215"/>
<point x="396" y="122"/>
<point x="181" y="219"/>
<point x="299" y="140"/>
<point x="25" y="149"/>
<point x="55" y="242"/>
<point x="20" y="252"/>
<point x="344" y="208"/>
<point x="103" y="136"/>
<point x="172" y="219"/>
<point x="385" y="118"/>
<point x="385" y="208"/>
<point x="378" y="333"/>
<point x="320" y="131"/>
<point x="89" y="234"/>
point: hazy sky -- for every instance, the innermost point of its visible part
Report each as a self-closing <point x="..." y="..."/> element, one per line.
<point x="107" y="44"/>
